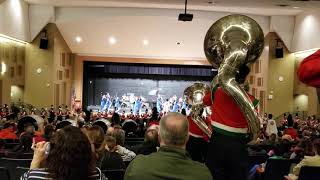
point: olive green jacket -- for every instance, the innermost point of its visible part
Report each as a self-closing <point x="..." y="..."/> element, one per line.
<point x="168" y="163"/>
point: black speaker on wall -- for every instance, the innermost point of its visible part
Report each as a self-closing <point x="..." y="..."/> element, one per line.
<point x="44" y="42"/>
<point x="279" y="52"/>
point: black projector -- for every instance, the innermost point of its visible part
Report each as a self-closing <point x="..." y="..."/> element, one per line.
<point x="185" y="17"/>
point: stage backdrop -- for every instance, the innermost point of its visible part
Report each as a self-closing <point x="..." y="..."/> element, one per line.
<point x="144" y="80"/>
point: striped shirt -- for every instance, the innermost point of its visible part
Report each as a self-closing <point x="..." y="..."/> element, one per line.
<point x="36" y="174"/>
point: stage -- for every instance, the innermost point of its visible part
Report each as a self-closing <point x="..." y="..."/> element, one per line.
<point x="122" y="84"/>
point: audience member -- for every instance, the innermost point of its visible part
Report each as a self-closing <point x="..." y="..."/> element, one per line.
<point x="304" y="148"/>
<point x="307" y="161"/>
<point x="97" y="141"/>
<point x="110" y="159"/>
<point x="172" y="160"/>
<point x="126" y="154"/>
<point x="150" y="143"/>
<point x="271" y="126"/>
<point x="67" y="156"/>
<point x="8" y="131"/>
<point x="290" y="130"/>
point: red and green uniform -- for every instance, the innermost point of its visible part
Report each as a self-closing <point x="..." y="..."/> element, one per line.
<point x="226" y="117"/>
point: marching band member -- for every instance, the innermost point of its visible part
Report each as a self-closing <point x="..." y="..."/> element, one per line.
<point x="229" y="125"/>
<point x="59" y="114"/>
<point x="43" y="113"/>
<point x="103" y="101"/>
<point x="197" y="145"/>
<point x="23" y="113"/>
<point x="159" y="103"/>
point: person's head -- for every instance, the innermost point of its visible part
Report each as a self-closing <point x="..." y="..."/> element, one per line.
<point x="183" y="112"/>
<point x="29" y="128"/>
<point x="151" y="137"/>
<point x="48" y="131"/>
<point x="316" y="146"/>
<point x="115" y="118"/>
<point x="111" y="143"/>
<point x="26" y="142"/>
<point x="119" y="135"/>
<point x="290" y="120"/>
<point x="70" y="155"/>
<point x="270" y="116"/>
<point x="242" y="74"/>
<point x="273" y="137"/>
<point x="174" y="130"/>
<point x="155" y="114"/>
<point x="96" y="138"/>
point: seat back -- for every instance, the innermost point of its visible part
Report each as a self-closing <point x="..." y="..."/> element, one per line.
<point x="19" y="155"/>
<point x="4" y="173"/>
<point x="12" y="164"/>
<point x="117" y="174"/>
<point x="276" y="169"/>
<point x="20" y="171"/>
<point x="10" y="145"/>
<point x="309" y="173"/>
<point x="257" y="159"/>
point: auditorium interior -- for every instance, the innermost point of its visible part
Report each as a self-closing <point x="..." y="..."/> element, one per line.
<point x="127" y="67"/>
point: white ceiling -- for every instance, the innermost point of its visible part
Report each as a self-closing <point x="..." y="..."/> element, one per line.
<point x="130" y="26"/>
<point x="262" y="7"/>
<point x="156" y="21"/>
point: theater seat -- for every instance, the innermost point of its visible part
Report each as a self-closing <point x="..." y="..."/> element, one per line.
<point x="20" y="171"/>
<point x="309" y="173"/>
<point x="117" y="174"/>
<point x="4" y="173"/>
<point x="12" y="164"/>
<point x="276" y="169"/>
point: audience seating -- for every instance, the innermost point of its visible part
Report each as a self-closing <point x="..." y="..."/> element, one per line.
<point x="257" y="159"/>
<point x="309" y="173"/>
<point x="117" y="174"/>
<point x="12" y="164"/>
<point x="19" y="155"/>
<point x="276" y="169"/>
<point x="20" y="171"/>
<point x="10" y="145"/>
<point x="4" y="173"/>
<point x="133" y="141"/>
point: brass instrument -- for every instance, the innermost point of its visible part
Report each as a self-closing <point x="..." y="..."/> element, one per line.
<point x="231" y="42"/>
<point x="195" y="95"/>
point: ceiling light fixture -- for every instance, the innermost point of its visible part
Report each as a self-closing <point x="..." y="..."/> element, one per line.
<point x="145" y="42"/>
<point x="112" y="40"/>
<point x="78" y="39"/>
<point x="296" y="7"/>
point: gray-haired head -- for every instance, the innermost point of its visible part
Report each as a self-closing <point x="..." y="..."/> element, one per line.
<point x="174" y="130"/>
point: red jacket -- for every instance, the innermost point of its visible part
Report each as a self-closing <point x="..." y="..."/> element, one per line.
<point x="292" y="132"/>
<point x="226" y="116"/>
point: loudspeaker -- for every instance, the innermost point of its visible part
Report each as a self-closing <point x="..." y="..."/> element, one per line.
<point x="279" y="52"/>
<point x="44" y="43"/>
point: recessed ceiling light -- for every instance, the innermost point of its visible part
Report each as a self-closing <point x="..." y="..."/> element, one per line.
<point x="145" y="42"/>
<point x="296" y="7"/>
<point x="78" y="39"/>
<point x="112" y="40"/>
